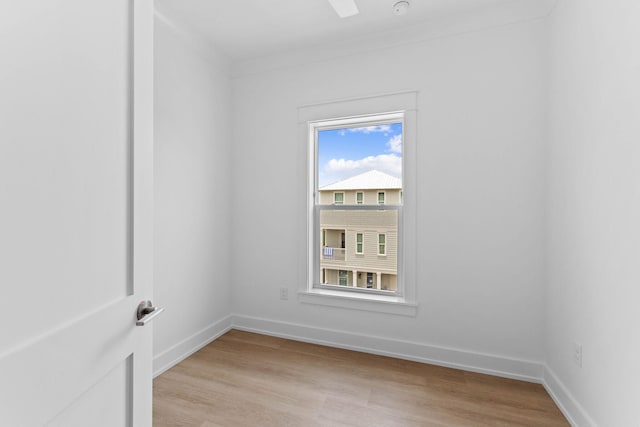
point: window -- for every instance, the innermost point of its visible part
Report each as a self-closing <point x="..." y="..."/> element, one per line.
<point x="382" y="244"/>
<point x="393" y="276"/>
<point x="342" y="277"/>
<point x="359" y="241"/>
<point x="343" y="152"/>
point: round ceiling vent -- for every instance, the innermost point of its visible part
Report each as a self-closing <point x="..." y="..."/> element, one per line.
<point x="400" y="7"/>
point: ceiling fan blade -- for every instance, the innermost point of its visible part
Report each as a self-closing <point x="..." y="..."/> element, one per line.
<point x="345" y="8"/>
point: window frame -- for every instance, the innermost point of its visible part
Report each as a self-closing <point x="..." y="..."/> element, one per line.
<point x="384" y="198"/>
<point x="400" y="101"/>
<point x="382" y="244"/>
<point x="315" y="128"/>
<point x="335" y="193"/>
<point x="361" y="202"/>
<point x="361" y="243"/>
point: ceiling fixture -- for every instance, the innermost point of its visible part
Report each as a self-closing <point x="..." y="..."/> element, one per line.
<point x="400" y="7"/>
<point x="345" y="8"/>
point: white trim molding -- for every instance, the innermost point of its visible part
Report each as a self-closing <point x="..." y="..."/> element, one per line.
<point x="436" y="27"/>
<point x="500" y="366"/>
<point x="365" y="302"/>
<point x="518" y="369"/>
<point x="575" y="414"/>
<point x="185" y="348"/>
<point x="377" y="107"/>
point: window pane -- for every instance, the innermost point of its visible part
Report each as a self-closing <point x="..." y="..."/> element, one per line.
<point x="363" y="249"/>
<point x="345" y="153"/>
<point x="342" y="277"/>
<point x="358" y="165"/>
<point x="382" y="240"/>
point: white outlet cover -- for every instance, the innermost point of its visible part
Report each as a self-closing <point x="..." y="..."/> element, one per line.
<point x="577" y="354"/>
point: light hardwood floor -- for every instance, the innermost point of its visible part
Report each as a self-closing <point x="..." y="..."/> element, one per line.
<point x="245" y="379"/>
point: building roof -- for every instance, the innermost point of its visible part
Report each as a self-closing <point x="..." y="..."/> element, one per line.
<point x="371" y="180"/>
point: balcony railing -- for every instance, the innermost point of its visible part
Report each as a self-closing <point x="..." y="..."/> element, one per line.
<point x="332" y="254"/>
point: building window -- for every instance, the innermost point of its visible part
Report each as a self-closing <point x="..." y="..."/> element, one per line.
<point x="382" y="244"/>
<point x="343" y="150"/>
<point x="359" y="242"/>
<point x="328" y="164"/>
<point x="369" y="280"/>
<point x="342" y="277"/>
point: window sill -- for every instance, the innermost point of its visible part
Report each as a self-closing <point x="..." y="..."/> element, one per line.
<point x="366" y="302"/>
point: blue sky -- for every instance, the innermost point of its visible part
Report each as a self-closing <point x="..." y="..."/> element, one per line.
<point x="343" y="153"/>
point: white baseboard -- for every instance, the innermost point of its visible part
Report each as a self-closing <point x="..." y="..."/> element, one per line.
<point x="572" y="410"/>
<point x="190" y="345"/>
<point x="452" y="358"/>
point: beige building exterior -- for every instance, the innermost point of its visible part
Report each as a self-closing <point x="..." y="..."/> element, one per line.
<point x="359" y="248"/>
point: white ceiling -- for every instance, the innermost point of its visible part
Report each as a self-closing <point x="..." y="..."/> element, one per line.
<point x="245" y="29"/>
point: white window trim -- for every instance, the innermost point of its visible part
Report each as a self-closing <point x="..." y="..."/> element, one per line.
<point x="356" y="198"/>
<point x="362" y="243"/>
<point x="406" y="304"/>
<point x="385" y="244"/>
<point x="334" y="197"/>
<point x="384" y="197"/>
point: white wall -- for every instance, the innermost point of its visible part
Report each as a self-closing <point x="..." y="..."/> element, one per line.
<point x="528" y="164"/>
<point x="481" y="191"/>
<point x="193" y="193"/>
<point x="594" y="210"/>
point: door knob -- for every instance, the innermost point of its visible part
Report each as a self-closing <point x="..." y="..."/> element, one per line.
<point x="147" y="312"/>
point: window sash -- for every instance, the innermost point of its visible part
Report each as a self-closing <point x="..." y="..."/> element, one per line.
<point x="315" y="267"/>
<point x="359" y="242"/>
<point x="315" y="207"/>
<point x="382" y="244"/>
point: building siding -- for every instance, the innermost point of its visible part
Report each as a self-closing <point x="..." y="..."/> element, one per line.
<point x="392" y="196"/>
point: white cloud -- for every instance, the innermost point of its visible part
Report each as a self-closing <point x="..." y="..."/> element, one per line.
<point x="395" y="144"/>
<point x="339" y="169"/>
<point x="372" y="129"/>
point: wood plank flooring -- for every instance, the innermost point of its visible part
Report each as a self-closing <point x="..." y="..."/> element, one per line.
<point x="245" y="379"/>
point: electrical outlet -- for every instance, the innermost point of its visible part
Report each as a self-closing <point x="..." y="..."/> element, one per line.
<point x="577" y="354"/>
<point x="284" y="294"/>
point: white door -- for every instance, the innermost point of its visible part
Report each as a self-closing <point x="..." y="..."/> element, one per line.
<point x="76" y="175"/>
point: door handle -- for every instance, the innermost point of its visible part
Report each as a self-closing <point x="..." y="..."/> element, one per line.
<point x="147" y="312"/>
